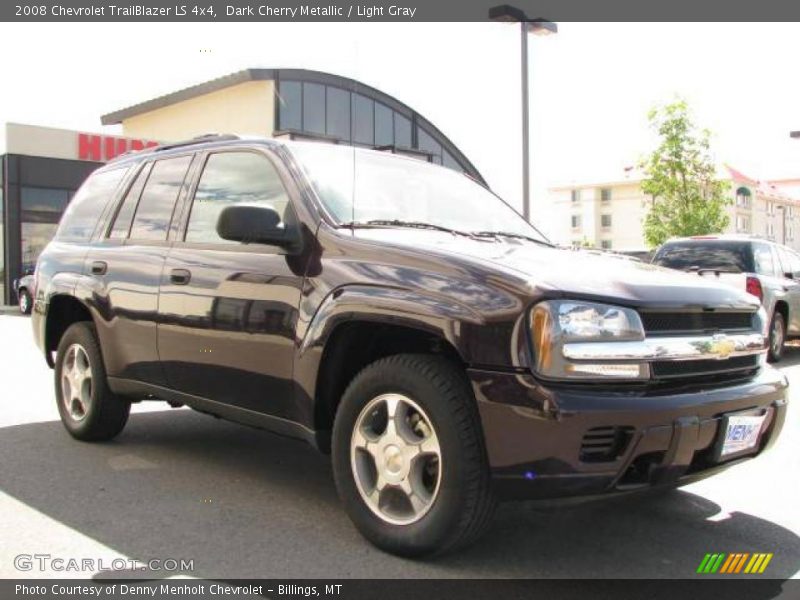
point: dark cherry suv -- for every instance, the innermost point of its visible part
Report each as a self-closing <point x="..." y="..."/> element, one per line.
<point x="400" y="316"/>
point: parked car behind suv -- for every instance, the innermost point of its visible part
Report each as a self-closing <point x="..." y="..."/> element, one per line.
<point x="766" y="270"/>
<point x="23" y="287"/>
<point x="403" y="318"/>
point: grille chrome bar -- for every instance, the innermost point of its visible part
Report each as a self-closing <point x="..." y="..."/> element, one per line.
<point x="718" y="346"/>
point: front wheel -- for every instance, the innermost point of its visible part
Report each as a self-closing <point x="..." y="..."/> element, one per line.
<point x="777" y="337"/>
<point x="89" y="410"/>
<point x="409" y="458"/>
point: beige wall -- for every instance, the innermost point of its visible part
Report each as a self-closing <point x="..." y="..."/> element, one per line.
<point x="628" y="208"/>
<point x="247" y="108"/>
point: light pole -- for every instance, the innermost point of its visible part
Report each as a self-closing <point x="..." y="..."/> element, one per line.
<point x="511" y="14"/>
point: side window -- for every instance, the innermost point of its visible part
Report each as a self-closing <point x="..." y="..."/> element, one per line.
<point x="763" y="259"/>
<point x="154" y="212"/>
<point x="794" y="262"/>
<point x="233" y="178"/>
<point x="784" y="265"/>
<point x="80" y="218"/>
<point x="122" y="223"/>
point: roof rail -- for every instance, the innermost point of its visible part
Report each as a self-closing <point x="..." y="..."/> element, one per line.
<point x="200" y="139"/>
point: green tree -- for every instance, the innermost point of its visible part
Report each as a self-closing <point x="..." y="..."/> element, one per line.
<point x="680" y="176"/>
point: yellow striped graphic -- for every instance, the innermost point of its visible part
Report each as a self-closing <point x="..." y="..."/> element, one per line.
<point x="764" y="564"/>
<point x="734" y="563"/>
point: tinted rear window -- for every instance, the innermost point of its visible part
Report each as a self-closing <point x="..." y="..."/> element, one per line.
<point x="80" y="218"/>
<point x="711" y="254"/>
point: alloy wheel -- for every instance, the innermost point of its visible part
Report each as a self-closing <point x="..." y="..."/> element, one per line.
<point x="396" y="459"/>
<point x="76" y="382"/>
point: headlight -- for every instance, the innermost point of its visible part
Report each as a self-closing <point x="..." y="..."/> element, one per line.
<point x="557" y="322"/>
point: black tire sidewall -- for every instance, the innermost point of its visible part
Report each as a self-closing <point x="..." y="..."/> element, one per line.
<point x="429" y="533"/>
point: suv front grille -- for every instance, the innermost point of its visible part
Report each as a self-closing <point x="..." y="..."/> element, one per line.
<point x="692" y="322"/>
<point x="666" y="369"/>
<point x="605" y="444"/>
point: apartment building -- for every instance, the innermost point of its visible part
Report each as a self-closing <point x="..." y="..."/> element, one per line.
<point x="610" y="214"/>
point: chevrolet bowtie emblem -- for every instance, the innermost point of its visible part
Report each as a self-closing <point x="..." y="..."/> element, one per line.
<point x="722" y="346"/>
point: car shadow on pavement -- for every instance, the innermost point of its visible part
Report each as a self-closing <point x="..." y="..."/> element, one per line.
<point x="791" y="355"/>
<point x="242" y="503"/>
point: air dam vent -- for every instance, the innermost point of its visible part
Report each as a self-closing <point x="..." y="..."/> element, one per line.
<point x="605" y="444"/>
<point x="686" y="322"/>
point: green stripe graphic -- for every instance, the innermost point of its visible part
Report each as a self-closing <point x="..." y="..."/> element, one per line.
<point x="702" y="566"/>
<point x="718" y="564"/>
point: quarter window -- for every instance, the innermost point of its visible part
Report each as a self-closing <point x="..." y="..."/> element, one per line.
<point x="233" y="178"/>
<point x="763" y="258"/>
<point x="81" y="216"/>
<point x="154" y="212"/>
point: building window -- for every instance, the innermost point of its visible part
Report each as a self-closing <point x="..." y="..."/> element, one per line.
<point x="337" y="113"/>
<point x="576" y="221"/>
<point x="743" y="197"/>
<point x="742" y="224"/>
<point x="576" y="196"/>
<point x="771" y="230"/>
<point x="605" y="221"/>
<point x="605" y="244"/>
<point x="605" y="195"/>
<point x="770" y="208"/>
<point x="789" y="233"/>
<point x="426" y="143"/>
<point x="320" y="109"/>
<point x="790" y="212"/>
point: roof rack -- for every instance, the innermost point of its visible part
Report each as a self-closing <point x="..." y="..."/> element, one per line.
<point x="200" y="139"/>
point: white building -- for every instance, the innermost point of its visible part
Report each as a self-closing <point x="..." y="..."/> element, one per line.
<point x="610" y="214"/>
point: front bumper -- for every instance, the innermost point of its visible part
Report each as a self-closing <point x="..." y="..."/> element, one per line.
<point x="534" y="433"/>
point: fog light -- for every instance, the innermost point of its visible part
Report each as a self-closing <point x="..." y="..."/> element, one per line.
<point x="627" y="371"/>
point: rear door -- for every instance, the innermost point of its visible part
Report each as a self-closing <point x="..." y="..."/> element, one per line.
<point x="127" y="263"/>
<point x="789" y="262"/>
<point x="228" y="311"/>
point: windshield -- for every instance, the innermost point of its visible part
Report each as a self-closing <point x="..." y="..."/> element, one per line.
<point x="362" y="187"/>
<point x="707" y="254"/>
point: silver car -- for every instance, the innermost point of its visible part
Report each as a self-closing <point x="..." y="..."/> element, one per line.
<point x="765" y="269"/>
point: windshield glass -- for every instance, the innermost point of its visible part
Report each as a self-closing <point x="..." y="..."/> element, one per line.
<point x="362" y="186"/>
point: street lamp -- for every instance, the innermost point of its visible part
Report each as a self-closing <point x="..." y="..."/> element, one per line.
<point x="511" y="14"/>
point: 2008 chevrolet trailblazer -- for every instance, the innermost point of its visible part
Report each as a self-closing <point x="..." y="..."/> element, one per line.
<point x="400" y="316"/>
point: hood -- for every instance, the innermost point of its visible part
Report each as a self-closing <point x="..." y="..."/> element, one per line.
<point x="561" y="273"/>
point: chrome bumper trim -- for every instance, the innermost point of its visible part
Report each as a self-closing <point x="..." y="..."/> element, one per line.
<point x="717" y="346"/>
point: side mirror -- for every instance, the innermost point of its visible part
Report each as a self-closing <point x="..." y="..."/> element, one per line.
<point x="255" y="225"/>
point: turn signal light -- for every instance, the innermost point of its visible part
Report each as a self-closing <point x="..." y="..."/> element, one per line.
<point x="754" y="287"/>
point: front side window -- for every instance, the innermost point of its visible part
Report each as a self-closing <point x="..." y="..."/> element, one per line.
<point x="233" y="178"/>
<point x="154" y="211"/>
<point x="80" y="218"/>
<point x="361" y="186"/>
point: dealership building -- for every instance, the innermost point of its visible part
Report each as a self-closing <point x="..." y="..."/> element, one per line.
<point x="42" y="167"/>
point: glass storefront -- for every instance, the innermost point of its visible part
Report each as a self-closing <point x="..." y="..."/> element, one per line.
<point x="41" y="210"/>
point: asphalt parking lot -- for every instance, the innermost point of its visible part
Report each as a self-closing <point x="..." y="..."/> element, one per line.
<point x="242" y="503"/>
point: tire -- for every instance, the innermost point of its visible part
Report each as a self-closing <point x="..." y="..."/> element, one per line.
<point x="435" y="409"/>
<point x="777" y="337"/>
<point x="89" y="410"/>
<point x="24" y="301"/>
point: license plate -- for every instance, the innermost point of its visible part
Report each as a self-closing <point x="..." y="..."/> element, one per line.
<point x="741" y="433"/>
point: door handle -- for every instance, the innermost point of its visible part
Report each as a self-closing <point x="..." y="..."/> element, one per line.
<point x="99" y="267"/>
<point x="180" y="276"/>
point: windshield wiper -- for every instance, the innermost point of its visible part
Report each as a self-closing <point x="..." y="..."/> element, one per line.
<point x="401" y="223"/>
<point x="509" y="234"/>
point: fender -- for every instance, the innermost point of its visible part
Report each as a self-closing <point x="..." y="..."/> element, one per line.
<point x="432" y="313"/>
<point x="60" y="284"/>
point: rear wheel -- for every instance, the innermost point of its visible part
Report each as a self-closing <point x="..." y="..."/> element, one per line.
<point x="777" y="337"/>
<point x="88" y="408"/>
<point x="408" y="456"/>
<point x="25" y="301"/>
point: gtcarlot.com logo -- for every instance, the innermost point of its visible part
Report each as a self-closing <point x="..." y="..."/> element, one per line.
<point x="47" y="562"/>
<point x="735" y="563"/>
